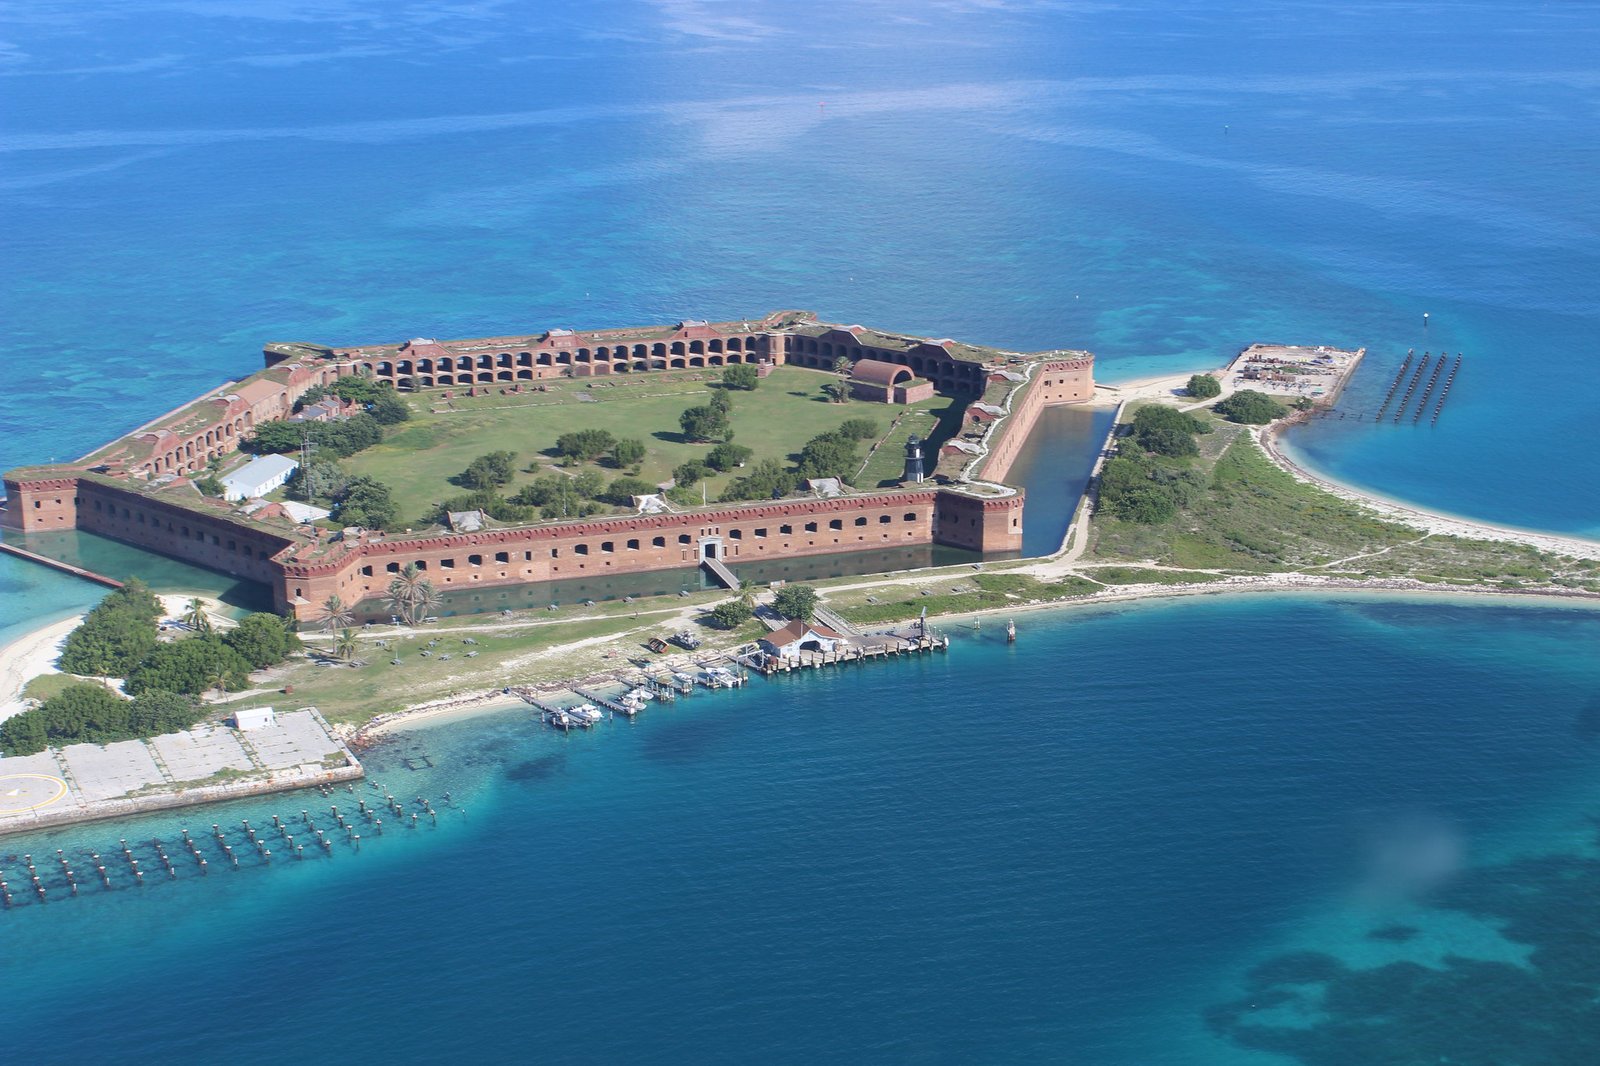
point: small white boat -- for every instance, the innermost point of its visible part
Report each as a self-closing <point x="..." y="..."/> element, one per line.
<point x="642" y="694"/>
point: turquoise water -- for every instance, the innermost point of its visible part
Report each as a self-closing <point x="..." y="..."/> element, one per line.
<point x="1181" y="833"/>
<point x="1047" y="850"/>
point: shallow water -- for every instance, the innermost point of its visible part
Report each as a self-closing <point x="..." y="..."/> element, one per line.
<point x="1075" y="848"/>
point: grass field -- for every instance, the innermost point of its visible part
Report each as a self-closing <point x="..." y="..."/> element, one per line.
<point x="418" y="458"/>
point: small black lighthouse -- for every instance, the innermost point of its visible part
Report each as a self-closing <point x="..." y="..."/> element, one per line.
<point x="914" y="460"/>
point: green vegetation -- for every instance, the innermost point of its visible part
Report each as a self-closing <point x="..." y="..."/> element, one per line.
<point x="412" y="597"/>
<point x="898" y="603"/>
<point x="1150" y="480"/>
<point x="1250" y="408"/>
<point x="377" y="397"/>
<point x="83" y="712"/>
<point x="796" y="601"/>
<point x="767" y="480"/>
<point x="116" y="635"/>
<point x="264" y="640"/>
<point x="705" y="423"/>
<point x="742" y="376"/>
<point x="490" y="471"/>
<point x="1144" y="575"/>
<point x="585" y="444"/>
<point x="575" y="426"/>
<point x="731" y="615"/>
<point x="1203" y="386"/>
<point x="342" y="438"/>
<point x="629" y="451"/>
<point x="190" y="666"/>
<point x="366" y="502"/>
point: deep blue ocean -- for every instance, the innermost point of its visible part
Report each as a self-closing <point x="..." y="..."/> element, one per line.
<point x="1231" y="830"/>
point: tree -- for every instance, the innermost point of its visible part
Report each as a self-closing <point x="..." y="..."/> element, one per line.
<point x="189" y="666"/>
<point x="412" y="597"/>
<point x="340" y="438"/>
<point x="1251" y="408"/>
<point x="842" y="365"/>
<point x="767" y="480"/>
<point x="1203" y="386"/>
<point x="798" y="602"/>
<point x="210" y="485"/>
<point x="743" y="376"/>
<point x="628" y="452"/>
<point x="585" y="444"/>
<point x="366" y="502"/>
<point x="837" y="392"/>
<point x="116" y="635"/>
<point x="828" y="455"/>
<point x="1161" y="416"/>
<point x="704" y="423"/>
<point x="726" y="457"/>
<point x="195" y="616"/>
<point x="346" y="644"/>
<point x="335" y="613"/>
<point x="731" y="614"/>
<point x="624" y="489"/>
<point x="722" y="401"/>
<point x="316" y="480"/>
<point x="262" y="639"/>
<point x="690" y="473"/>
<point x="1164" y="440"/>
<point x="489" y="471"/>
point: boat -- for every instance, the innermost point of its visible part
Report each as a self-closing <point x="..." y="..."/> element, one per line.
<point x="587" y="713"/>
<point x="686" y="640"/>
<point x="644" y="695"/>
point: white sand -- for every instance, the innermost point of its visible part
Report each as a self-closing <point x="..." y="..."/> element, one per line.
<point x="26" y="658"/>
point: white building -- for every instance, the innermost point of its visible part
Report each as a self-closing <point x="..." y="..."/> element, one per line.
<point x="796" y="637"/>
<point x="258" y="477"/>
<point x="253" y="718"/>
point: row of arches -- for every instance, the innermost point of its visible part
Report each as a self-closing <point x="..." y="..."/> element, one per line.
<point x="949" y="375"/>
<point x="193" y="454"/>
<point x="436" y="373"/>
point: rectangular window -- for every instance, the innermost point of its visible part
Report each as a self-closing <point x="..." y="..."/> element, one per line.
<point x="608" y="546"/>
<point x="633" y="545"/>
<point x="761" y="532"/>
<point x="785" y="530"/>
<point x="861" y="521"/>
<point x="658" y="542"/>
<point x="683" y="538"/>
<point x="502" y="557"/>
<point x="736" y="534"/>
<point x="836" y="523"/>
<point x="392" y="568"/>
<point x="474" y="560"/>
<point x="447" y="564"/>
<point x="580" y="549"/>
<point x="811" y="527"/>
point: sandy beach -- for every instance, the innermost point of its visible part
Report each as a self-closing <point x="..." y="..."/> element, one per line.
<point x="1419" y="518"/>
<point x="26" y="658"/>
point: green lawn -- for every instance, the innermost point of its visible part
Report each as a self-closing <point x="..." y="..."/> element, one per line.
<point x="418" y="458"/>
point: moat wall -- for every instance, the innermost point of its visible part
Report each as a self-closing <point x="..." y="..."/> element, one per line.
<point x="1054" y="383"/>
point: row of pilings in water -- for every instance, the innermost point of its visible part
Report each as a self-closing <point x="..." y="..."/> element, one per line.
<point x="1433" y="390"/>
<point x="310" y="833"/>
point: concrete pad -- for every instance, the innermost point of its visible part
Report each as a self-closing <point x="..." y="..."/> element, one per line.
<point x="198" y="754"/>
<point x="111" y="771"/>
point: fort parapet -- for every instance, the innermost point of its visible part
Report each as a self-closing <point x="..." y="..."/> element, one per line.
<point x="137" y="489"/>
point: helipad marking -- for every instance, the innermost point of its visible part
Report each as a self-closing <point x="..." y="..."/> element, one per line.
<point x="27" y="791"/>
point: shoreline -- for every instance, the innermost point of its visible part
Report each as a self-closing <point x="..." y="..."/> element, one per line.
<point x="1436" y="522"/>
<point x="470" y="705"/>
<point x="31" y="655"/>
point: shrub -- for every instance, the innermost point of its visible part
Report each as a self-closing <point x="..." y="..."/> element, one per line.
<point x="585" y="444"/>
<point x="1203" y="386"/>
<point x="741" y="376"/>
<point x="704" y="423"/>
<point x="489" y="471"/>
<point x="767" y="480"/>
<point x="1251" y="408"/>
<point x="732" y="614"/>
<point x="116" y="635"/>
<point x="858" y="429"/>
<point x="622" y="491"/>
<point x="690" y="473"/>
<point x="628" y="452"/>
<point x="262" y="640"/>
<point x="366" y="502"/>
<point x="190" y="666"/>
<point x="726" y="457"/>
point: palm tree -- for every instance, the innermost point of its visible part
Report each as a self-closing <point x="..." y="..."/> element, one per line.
<point x="842" y="365"/>
<point x="335" y="614"/>
<point x="194" y="615"/>
<point x="412" y="597"/>
<point x="345" y="645"/>
<point x="747" y="593"/>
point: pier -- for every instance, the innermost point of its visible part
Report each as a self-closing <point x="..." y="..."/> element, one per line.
<point x="1411" y="388"/>
<point x="57" y="564"/>
<point x="719" y="570"/>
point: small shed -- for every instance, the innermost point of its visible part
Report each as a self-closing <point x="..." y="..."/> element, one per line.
<point x="251" y="718"/>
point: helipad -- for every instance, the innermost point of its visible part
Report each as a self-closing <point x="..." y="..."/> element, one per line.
<point x="29" y="792"/>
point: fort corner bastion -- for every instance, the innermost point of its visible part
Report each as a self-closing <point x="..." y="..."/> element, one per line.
<point x="139" y="488"/>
